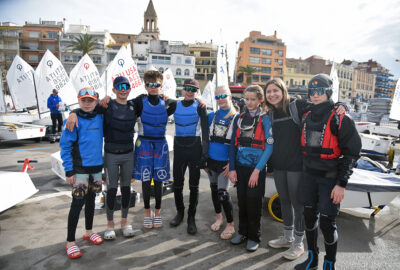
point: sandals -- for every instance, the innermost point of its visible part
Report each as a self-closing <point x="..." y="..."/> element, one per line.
<point x="157" y="222"/>
<point x="93" y="238"/>
<point x="148" y="221"/>
<point x="73" y="249"/>
<point x="225" y="235"/>
<point x="127" y="231"/>
<point x="215" y="227"/>
<point x="109" y="234"/>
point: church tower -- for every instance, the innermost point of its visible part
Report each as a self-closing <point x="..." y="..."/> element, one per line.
<point x="150" y="29"/>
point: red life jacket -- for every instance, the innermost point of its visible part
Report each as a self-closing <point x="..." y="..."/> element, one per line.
<point x="321" y="142"/>
<point x="254" y="135"/>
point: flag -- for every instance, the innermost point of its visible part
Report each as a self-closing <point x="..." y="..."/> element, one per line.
<point x="85" y="74"/>
<point x="395" y="109"/>
<point x="335" y="85"/>
<point x="123" y="65"/>
<point x="50" y="74"/>
<point x="169" y="84"/>
<point x="20" y="82"/>
<point x="222" y="71"/>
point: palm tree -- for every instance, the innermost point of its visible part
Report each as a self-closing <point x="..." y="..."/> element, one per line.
<point x="84" y="43"/>
<point x="248" y="70"/>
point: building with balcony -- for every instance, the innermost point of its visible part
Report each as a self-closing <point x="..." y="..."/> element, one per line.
<point x="9" y="48"/>
<point x="384" y="79"/>
<point x="37" y="38"/>
<point x="70" y="58"/>
<point x="267" y="54"/>
<point x="206" y="61"/>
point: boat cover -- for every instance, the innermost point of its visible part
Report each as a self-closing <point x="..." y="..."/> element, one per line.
<point x="369" y="181"/>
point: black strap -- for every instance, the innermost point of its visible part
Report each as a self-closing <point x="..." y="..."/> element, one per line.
<point x="317" y="150"/>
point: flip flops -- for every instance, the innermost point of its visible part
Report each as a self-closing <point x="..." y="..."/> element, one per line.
<point x="93" y="238"/>
<point x="225" y="235"/>
<point x="73" y="249"/>
<point x="157" y="222"/>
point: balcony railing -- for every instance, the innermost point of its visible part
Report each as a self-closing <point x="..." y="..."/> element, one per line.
<point x="9" y="34"/>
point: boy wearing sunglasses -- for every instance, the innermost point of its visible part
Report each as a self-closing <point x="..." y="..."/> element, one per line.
<point x="81" y="152"/>
<point x="119" y="123"/>
<point x="190" y="150"/>
<point x="330" y="147"/>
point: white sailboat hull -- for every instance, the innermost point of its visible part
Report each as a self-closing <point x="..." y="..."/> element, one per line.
<point x="20" y="131"/>
<point x="15" y="187"/>
<point x="376" y="145"/>
<point x="18" y="117"/>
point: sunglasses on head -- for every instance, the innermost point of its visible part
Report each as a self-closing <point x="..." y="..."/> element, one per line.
<point x="222" y="96"/>
<point x="87" y="91"/>
<point x="319" y="90"/>
<point x="190" y="89"/>
<point x="122" y="86"/>
<point x="153" y="84"/>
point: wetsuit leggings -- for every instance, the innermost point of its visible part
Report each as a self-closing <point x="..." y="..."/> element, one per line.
<point x="287" y="186"/>
<point x="186" y="155"/>
<point x="250" y="202"/>
<point x="158" y="191"/>
<point x="76" y="207"/>
<point x="219" y="185"/>
<point x="118" y="166"/>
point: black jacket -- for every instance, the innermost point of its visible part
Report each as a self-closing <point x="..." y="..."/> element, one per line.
<point x="349" y="143"/>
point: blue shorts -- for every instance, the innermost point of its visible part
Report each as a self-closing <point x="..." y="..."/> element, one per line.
<point x="151" y="160"/>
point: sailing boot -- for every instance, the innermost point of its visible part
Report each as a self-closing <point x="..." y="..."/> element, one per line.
<point x="311" y="263"/>
<point x="193" y="200"/>
<point x="328" y="265"/>
<point x="180" y="207"/>
<point x="191" y="228"/>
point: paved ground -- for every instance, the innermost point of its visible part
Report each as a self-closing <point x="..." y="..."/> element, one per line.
<point x="32" y="234"/>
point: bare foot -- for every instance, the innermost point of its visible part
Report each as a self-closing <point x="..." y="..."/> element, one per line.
<point x="218" y="223"/>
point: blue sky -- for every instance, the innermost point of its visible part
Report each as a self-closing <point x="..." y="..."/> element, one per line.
<point x="342" y="29"/>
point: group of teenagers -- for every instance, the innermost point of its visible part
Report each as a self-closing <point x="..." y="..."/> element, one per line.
<point x="311" y="148"/>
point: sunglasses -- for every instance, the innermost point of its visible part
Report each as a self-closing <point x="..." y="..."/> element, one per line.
<point x="153" y="84"/>
<point x="222" y="96"/>
<point x="319" y="90"/>
<point x="87" y="91"/>
<point x="122" y="86"/>
<point x="190" y="89"/>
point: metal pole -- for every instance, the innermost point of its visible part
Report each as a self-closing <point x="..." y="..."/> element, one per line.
<point x="37" y="100"/>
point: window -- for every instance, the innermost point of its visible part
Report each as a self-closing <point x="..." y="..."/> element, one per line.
<point x="254" y="60"/>
<point x="280" y="62"/>
<point x="76" y="58"/>
<point x="96" y="59"/>
<point x="265" y="78"/>
<point x="156" y="59"/>
<point x="213" y="70"/>
<point x="210" y="77"/>
<point x="265" y="42"/>
<point x="266" y="52"/>
<point x="34" y="34"/>
<point x="198" y="62"/>
<point x="206" y="62"/>
<point x="53" y="35"/>
<point x="50" y="47"/>
<point x="198" y="70"/>
<point x="204" y="54"/>
<point x="179" y="60"/>
<point x="254" y="50"/>
<point x="33" y="45"/>
<point x="188" y="61"/>
<point x="279" y="52"/>
<point x="199" y="77"/>
<point x="278" y="70"/>
<point x="256" y="78"/>
<point x="178" y="72"/>
<point x="187" y="73"/>
<point x="33" y="58"/>
<point x="266" y="61"/>
<point x="257" y="69"/>
<point x="67" y="58"/>
<point x="265" y="69"/>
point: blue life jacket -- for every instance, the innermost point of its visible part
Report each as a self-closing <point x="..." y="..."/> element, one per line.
<point x="153" y="120"/>
<point x="187" y="120"/>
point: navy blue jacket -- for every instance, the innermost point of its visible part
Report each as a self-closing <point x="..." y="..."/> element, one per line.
<point x="52" y="102"/>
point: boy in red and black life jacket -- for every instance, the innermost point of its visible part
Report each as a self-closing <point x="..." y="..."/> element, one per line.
<point x="330" y="147"/>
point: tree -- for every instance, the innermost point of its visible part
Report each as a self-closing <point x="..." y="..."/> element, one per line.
<point x="248" y="70"/>
<point x="84" y="43"/>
